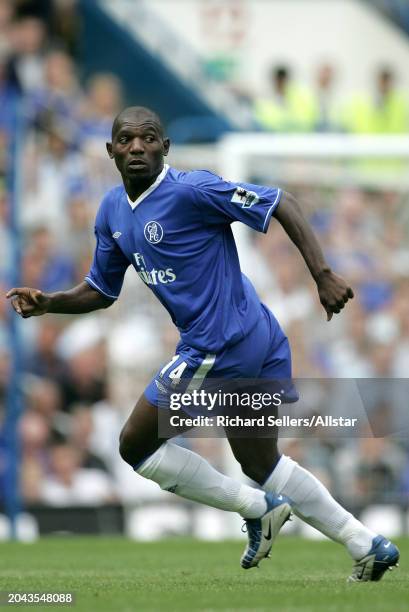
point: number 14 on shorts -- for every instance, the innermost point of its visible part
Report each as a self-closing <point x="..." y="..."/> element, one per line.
<point x="175" y="373"/>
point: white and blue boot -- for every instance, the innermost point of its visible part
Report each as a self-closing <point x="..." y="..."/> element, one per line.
<point x="383" y="555"/>
<point x="263" y="531"/>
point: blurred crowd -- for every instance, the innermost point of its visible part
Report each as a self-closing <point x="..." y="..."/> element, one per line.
<point x="61" y="180"/>
<point x="293" y="107"/>
<point x="82" y="375"/>
<point x="365" y="236"/>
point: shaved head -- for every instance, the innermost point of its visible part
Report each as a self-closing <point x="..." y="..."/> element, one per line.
<point x="138" y="114"/>
<point x="138" y="147"/>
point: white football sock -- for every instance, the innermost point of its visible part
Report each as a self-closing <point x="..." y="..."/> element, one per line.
<point x="185" y="473"/>
<point x="313" y="503"/>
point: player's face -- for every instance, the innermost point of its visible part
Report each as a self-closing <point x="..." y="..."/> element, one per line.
<point x="138" y="148"/>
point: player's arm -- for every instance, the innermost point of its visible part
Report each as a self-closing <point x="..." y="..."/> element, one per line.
<point x="223" y="202"/>
<point x="333" y="291"/>
<point x="28" y="302"/>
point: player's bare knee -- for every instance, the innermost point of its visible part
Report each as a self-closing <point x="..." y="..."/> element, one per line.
<point x="128" y="445"/>
<point x="134" y="446"/>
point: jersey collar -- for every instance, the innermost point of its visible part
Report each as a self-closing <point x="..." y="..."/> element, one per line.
<point x="154" y="186"/>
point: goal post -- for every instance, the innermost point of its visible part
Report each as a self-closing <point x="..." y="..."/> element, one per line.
<point x="368" y="161"/>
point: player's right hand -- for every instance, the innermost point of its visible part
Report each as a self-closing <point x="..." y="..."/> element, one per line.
<point x="28" y="302"/>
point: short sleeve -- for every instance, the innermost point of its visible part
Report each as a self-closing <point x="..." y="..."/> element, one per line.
<point x="109" y="264"/>
<point x="224" y="202"/>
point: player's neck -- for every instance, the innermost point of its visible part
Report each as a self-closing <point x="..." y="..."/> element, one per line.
<point x="134" y="188"/>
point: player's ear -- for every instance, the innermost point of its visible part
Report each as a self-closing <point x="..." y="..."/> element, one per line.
<point x="109" y="149"/>
<point x="166" y="145"/>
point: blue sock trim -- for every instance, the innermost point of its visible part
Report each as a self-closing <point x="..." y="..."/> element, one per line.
<point x="272" y="470"/>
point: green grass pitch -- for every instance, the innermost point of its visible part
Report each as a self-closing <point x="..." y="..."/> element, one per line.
<point x="182" y="574"/>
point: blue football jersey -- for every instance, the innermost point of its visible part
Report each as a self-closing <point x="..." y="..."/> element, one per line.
<point x="177" y="236"/>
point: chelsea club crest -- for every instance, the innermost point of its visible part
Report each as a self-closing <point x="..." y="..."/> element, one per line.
<point x="153" y="232"/>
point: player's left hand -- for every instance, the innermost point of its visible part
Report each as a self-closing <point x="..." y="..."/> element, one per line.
<point x="334" y="293"/>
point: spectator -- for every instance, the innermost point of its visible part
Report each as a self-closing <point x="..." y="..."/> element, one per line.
<point x="104" y="99"/>
<point x="26" y="64"/>
<point x="44" y="265"/>
<point x="54" y="171"/>
<point x="83" y="349"/>
<point x="290" y="107"/>
<point x="82" y="428"/>
<point x="35" y="434"/>
<point x="59" y="95"/>
<point x="326" y="112"/>
<point x="43" y="359"/>
<point x="384" y="112"/>
<point x="43" y="397"/>
<point x="372" y="467"/>
<point x="70" y="485"/>
<point x="66" y="23"/>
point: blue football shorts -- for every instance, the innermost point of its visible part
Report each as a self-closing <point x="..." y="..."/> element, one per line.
<point x="263" y="355"/>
